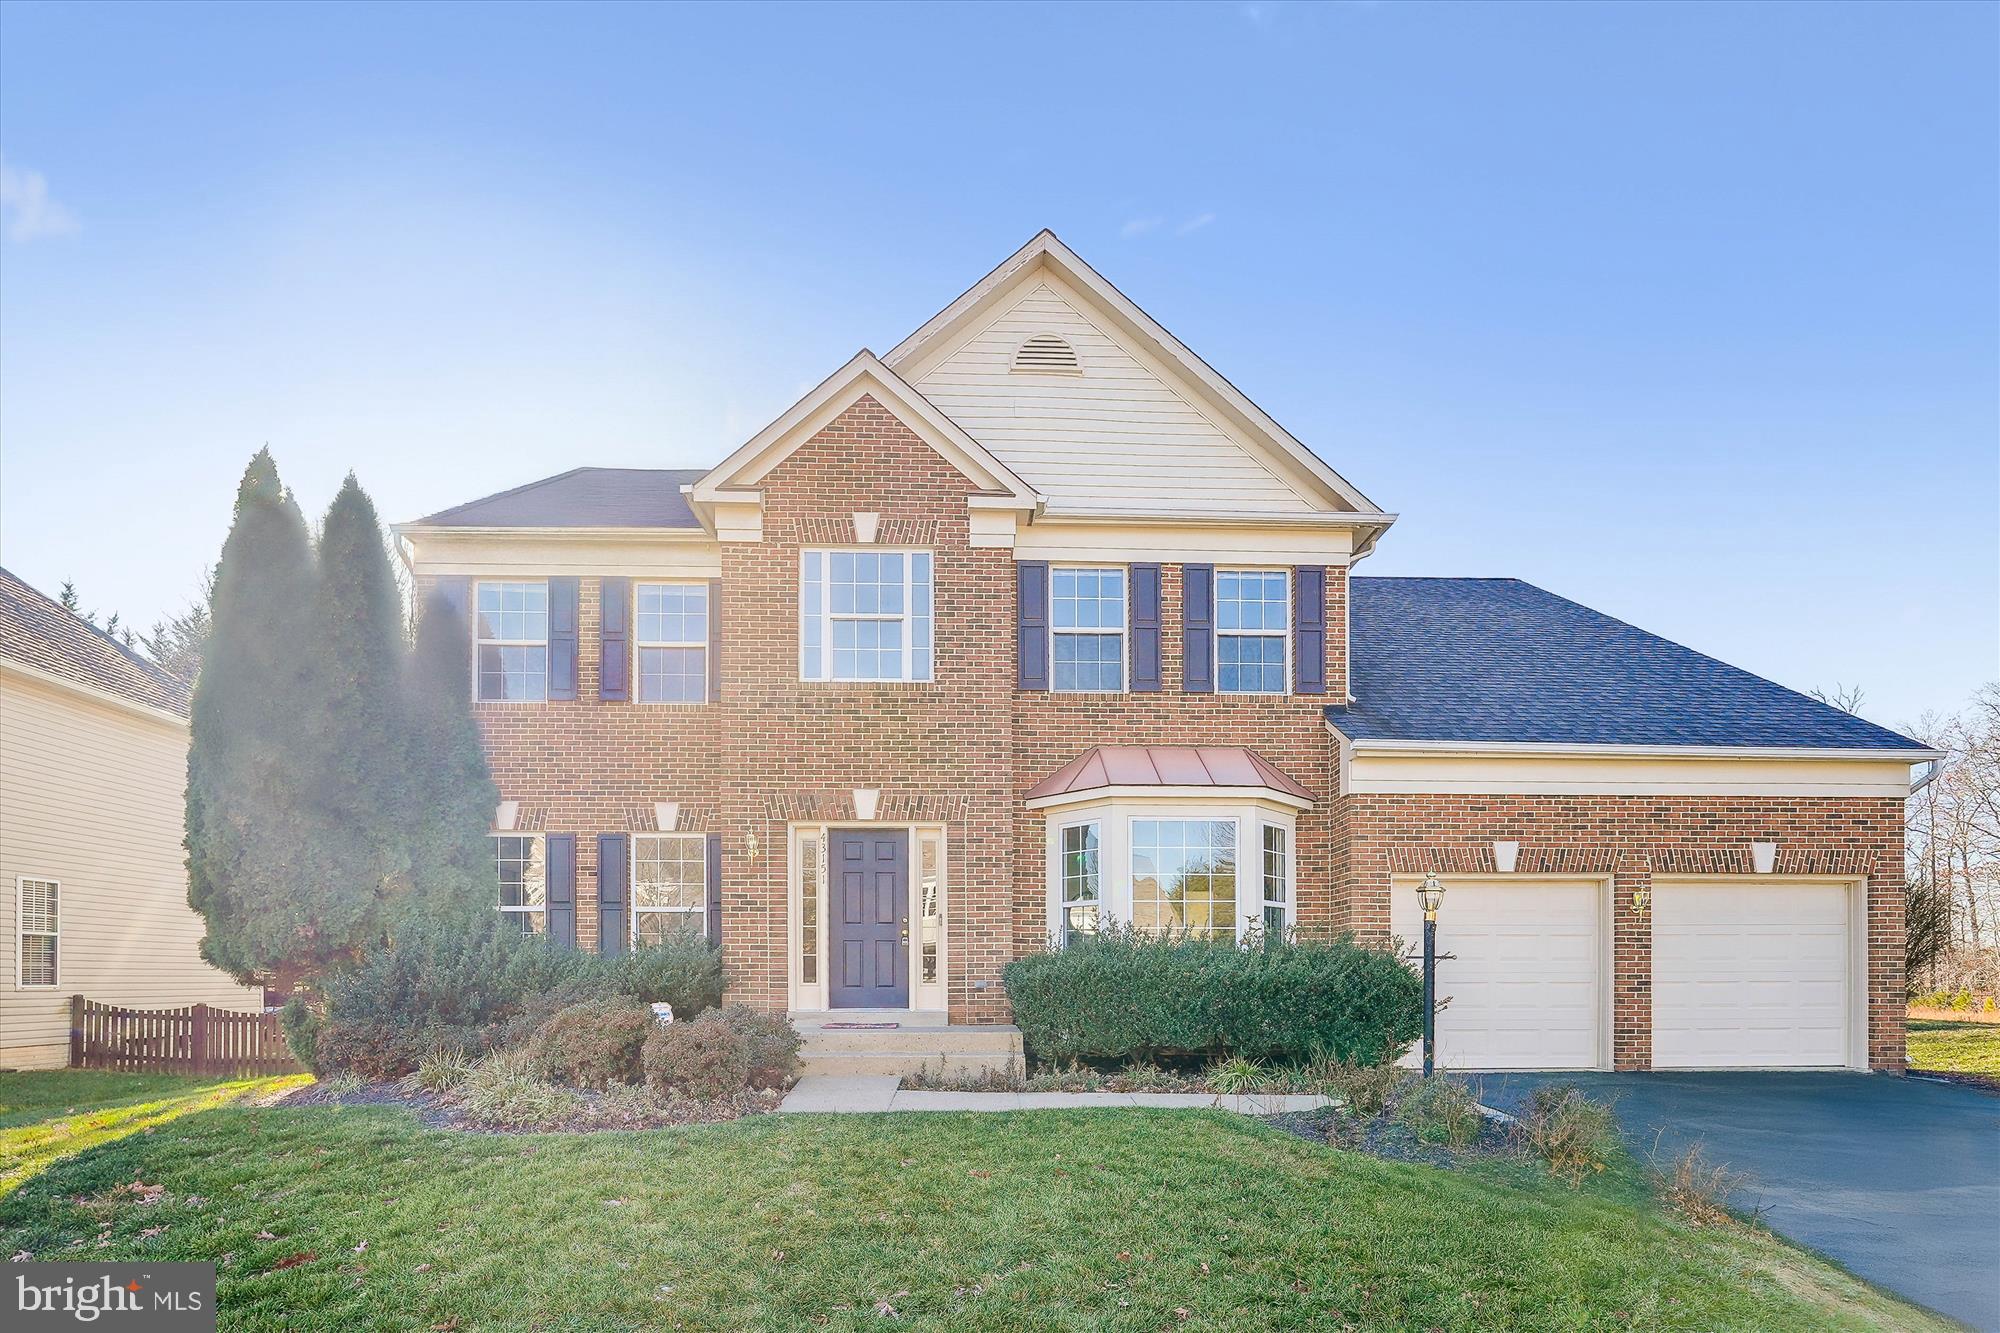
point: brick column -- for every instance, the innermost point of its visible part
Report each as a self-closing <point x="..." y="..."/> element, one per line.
<point x="1632" y="965"/>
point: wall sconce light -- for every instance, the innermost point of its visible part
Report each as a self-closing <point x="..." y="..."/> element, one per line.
<point x="506" y="815"/>
<point x="1505" y="856"/>
<point x="1763" y="857"/>
<point x="1639" y="899"/>
<point x="666" y="815"/>
<point x="866" y="801"/>
<point x="750" y="847"/>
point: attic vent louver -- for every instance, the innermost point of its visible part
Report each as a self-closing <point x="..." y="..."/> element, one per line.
<point x="1046" y="352"/>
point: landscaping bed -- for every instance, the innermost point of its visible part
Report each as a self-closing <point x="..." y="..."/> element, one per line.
<point x="584" y="1110"/>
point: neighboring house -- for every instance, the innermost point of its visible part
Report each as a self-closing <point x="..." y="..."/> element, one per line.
<point x="1037" y="622"/>
<point x="93" y="881"/>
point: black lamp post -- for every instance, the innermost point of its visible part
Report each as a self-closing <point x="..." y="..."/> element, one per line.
<point x="1430" y="893"/>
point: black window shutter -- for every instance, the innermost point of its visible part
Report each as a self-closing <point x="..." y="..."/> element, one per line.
<point x="1031" y="624"/>
<point x="612" y="877"/>
<point x="614" y="640"/>
<point x="1197" y="629"/>
<point x="1309" y="629"/>
<point x="559" y="853"/>
<point x="1145" y="628"/>
<point x="562" y="638"/>
<point x="715" y="640"/>
<point x="715" y="888"/>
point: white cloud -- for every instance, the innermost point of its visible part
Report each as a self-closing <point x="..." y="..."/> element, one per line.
<point x="26" y="210"/>
<point x="1139" y="227"/>
<point x="1195" y="223"/>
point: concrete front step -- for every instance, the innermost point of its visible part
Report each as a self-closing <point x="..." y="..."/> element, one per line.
<point x="939" y="1064"/>
<point x="899" y="1042"/>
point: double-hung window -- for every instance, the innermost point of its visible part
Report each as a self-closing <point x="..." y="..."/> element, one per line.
<point x="672" y="642"/>
<point x="36" y="930"/>
<point x="1184" y="876"/>
<point x="1277" y="879"/>
<point x="1252" y="620"/>
<point x="1082" y="871"/>
<point x="865" y="615"/>
<point x="513" y="628"/>
<point x="669" y="887"/>
<point x="524" y="880"/>
<point x="1087" y="623"/>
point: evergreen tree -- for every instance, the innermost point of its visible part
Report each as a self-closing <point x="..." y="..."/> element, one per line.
<point x="176" y="643"/>
<point x="358" y="756"/>
<point x="246" y="850"/>
<point x="453" y="791"/>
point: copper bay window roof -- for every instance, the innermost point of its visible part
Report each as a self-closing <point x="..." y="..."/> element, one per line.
<point x="1176" y="770"/>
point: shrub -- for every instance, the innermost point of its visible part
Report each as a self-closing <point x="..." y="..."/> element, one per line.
<point x="1124" y="996"/>
<point x="1441" y="1110"/>
<point x="593" y="1044"/>
<point x="301" y="1027"/>
<point x="1366" y="1090"/>
<point x="684" y="972"/>
<point x="770" y="1042"/>
<point x="1568" y="1130"/>
<point x="1235" y="1074"/>
<point x="706" y="1057"/>
<point x="1962" y="1001"/>
<point x="505" y="1090"/>
<point x="443" y="1070"/>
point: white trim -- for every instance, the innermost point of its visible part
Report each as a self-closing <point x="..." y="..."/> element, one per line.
<point x="1269" y="795"/>
<point x="907" y="618"/>
<point x="593" y="535"/>
<point x="1045" y="250"/>
<point x="1284" y="636"/>
<point x="1059" y="879"/>
<point x="1123" y="631"/>
<point x="21" y="932"/>
<point x="632" y="909"/>
<point x="534" y="836"/>
<point x="639" y="644"/>
<point x="813" y="996"/>
<point x="9" y="666"/>
<point x="1364" y="745"/>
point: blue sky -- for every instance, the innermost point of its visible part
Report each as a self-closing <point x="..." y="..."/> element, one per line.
<point x="1687" y="312"/>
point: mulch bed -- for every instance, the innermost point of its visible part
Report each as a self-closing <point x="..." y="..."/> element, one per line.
<point x="594" y="1113"/>
<point x="1384" y="1137"/>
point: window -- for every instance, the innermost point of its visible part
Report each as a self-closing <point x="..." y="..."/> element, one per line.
<point x="35" y="932"/>
<point x="865" y="615"/>
<point x="930" y="899"/>
<point x="1087" y="622"/>
<point x="673" y="642"/>
<point x="1277" y="879"/>
<point x="1251" y="621"/>
<point x="669" y="887"/>
<point x="1082" y="880"/>
<point x="812" y="874"/>
<point x="1184" y="875"/>
<point x="524" y="880"/>
<point x="513" y="629"/>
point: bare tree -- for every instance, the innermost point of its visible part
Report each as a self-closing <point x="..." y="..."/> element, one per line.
<point x="1954" y="843"/>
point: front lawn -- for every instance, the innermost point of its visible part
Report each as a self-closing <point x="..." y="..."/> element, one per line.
<point x="354" y="1219"/>
<point x="1939" y="1046"/>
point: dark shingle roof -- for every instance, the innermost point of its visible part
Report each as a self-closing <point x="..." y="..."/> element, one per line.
<point x="585" y="497"/>
<point x="1499" y="660"/>
<point x="37" y="632"/>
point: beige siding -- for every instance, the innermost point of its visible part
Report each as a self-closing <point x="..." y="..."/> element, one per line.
<point x="1118" y="436"/>
<point x="90" y="796"/>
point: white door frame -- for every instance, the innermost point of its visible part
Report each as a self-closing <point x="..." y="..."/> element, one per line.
<point x="804" y="996"/>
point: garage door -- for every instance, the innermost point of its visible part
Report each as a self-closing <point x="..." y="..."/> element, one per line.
<point x="1750" y="975"/>
<point x="1524" y="978"/>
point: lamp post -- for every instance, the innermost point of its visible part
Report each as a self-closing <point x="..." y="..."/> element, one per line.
<point x="1430" y="893"/>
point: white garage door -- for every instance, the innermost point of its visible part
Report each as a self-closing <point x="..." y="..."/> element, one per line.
<point x="1525" y="980"/>
<point x="1750" y="975"/>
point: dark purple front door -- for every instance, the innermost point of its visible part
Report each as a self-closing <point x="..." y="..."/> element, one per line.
<point x="870" y="918"/>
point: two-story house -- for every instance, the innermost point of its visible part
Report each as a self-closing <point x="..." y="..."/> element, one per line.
<point x="1038" y="622"/>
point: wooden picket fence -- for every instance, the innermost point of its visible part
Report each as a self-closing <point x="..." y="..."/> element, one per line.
<point x="193" y="1040"/>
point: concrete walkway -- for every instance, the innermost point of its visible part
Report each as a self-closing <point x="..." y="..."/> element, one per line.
<point x="883" y="1092"/>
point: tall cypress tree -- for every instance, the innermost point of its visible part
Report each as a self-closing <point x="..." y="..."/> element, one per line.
<point x="451" y="859"/>
<point x="246" y="862"/>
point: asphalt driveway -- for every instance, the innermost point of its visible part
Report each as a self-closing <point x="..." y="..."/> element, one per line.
<point x="1896" y="1178"/>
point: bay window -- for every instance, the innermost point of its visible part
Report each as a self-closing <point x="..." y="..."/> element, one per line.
<point x="865" y="615"/>
<point x="1277" y="879"/>
<point x="1082" y="879"/>
<point x="1218" y="870"/>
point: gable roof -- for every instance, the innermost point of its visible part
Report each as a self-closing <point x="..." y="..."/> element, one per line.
<point x="1499" y="661"/>
<point x="864" y="374"/>
<point x="39" y="634"/>
<point x="584" y="497"/>
<point x="1046" y="250"/>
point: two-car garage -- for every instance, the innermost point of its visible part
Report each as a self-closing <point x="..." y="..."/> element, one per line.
<point x="1756" y="972"/>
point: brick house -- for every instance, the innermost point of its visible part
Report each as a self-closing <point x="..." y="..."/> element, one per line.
<point x="1037" y="622"/>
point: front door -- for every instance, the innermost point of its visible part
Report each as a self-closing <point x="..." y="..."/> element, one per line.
<point x="870" y="918"/>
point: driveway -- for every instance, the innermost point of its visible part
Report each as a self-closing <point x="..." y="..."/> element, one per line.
<point x="1896" y="1178"/>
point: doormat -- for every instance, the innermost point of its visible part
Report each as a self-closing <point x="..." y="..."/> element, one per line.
<point x="864" y="1027"/>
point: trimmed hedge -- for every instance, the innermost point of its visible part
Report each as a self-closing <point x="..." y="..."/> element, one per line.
<point x="1124" y="996"/>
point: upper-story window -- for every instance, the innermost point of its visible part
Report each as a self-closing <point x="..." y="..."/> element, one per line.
<point x="865" y="615"/>
<point x="1252" y="623"/>
<point x="513" y="629"/>
<point x="1087" y="625"/>
<point x="672" y="642"/>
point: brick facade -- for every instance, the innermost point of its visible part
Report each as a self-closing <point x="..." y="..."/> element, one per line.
<point x="963" y="749"/>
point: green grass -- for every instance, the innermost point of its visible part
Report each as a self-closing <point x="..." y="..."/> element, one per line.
<point x="50" y="1115"/>
<point x="1120" y="1219"/>
<point x="1955" y="1048"/>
